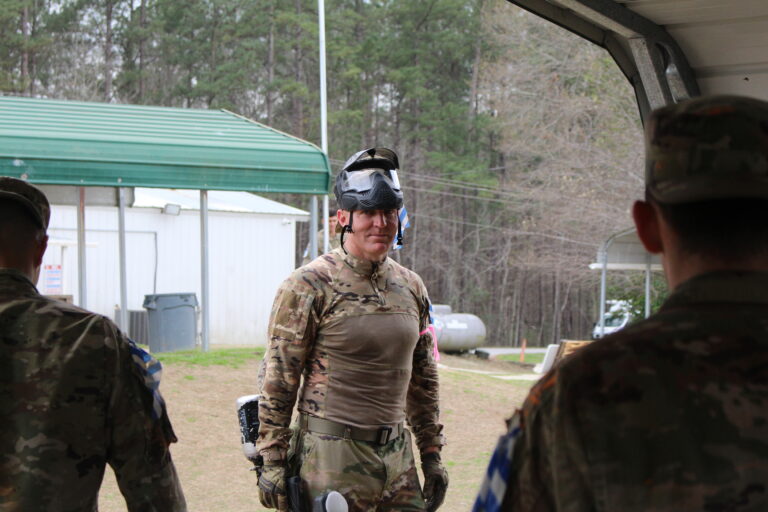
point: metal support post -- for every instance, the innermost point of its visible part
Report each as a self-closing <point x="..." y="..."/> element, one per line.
<point x="647" y="285"/>
<point x="204" y="285"/>
<point x="603" y="278"/>
<point x="313" y="228"/>
<point x="650" y="64"/>
<point x="82" y="294"/>
<point x="328" y="235"/>
<point x="123" y="262"/>
<point x="323" y="115"/>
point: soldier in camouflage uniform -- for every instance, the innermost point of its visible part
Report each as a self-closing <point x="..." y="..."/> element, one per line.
<point x="670" y="414"/>
<point x="334" y="242"/>
<point x="75" y="393"/>
<point x="354" y="324"/>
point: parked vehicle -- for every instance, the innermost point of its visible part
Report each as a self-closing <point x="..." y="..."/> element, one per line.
<point x="617" y="316"/>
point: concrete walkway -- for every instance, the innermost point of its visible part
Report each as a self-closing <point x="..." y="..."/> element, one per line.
<point x="496" y="375"/>
<point x="498" y="351"/>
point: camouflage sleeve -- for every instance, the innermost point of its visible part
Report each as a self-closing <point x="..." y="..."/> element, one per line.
<point x="292" y="326"/>
<point x="140" y="431"/>
<point x="547" y="464"/>
<point x="423" y="404"/>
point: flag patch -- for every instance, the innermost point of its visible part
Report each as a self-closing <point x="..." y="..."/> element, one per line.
<point x="494" y="487"/>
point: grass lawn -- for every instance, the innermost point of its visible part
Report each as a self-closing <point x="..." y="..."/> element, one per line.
<point x="201" y="389"/>
<point x="529" y="358"/>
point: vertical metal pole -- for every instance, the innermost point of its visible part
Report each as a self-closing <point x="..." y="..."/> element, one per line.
<point x="603" y="278"/>
<point x="313" y="228"/>
<point x="328" y="235"/>
<point x="323" y="114"/>
<point x="82" y="295"/>
<point x="123" y="260"/>
<point x="204" y="302"/>
<point x="647" y="285"/>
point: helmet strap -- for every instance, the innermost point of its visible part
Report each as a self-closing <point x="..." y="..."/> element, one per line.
<point x="399" y="232"/>
<point x="346" y="229"/>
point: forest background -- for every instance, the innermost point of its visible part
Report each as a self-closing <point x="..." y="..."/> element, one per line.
<point x="520" y="144"/>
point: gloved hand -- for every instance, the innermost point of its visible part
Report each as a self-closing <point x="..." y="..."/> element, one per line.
<point x="435" y="480"/>
<point x="272" y="487"/>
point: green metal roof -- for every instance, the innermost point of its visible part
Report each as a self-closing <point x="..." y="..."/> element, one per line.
<point x="77" y="143"/>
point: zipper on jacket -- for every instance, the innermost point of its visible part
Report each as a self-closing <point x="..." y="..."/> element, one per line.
<point x="375" y="283"/>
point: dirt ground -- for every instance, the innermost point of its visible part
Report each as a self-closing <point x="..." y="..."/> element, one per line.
<point x="215" y="474"/>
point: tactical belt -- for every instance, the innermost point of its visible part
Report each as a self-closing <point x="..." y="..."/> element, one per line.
<point x="381" y="435"/>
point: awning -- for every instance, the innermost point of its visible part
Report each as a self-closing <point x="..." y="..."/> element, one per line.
<point x="90" y="144"/>
<point x="126" y="146"/>
<point x="673" y="49"/>
<point x="624" y="251"/>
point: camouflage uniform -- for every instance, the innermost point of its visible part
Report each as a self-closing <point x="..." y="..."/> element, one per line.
<point x="77" y="394"/>
<point x="670" y="414"/>
<point x="352" y="328"/>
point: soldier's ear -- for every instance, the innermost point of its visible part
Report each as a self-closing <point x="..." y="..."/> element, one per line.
<point x="39" y="250"/>
<point x="647" y="221"/>
<point x="342" y="216"/>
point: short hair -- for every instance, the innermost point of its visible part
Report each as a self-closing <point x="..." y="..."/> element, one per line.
<point x="726" y="230"/>
<point x="17" y="227"/>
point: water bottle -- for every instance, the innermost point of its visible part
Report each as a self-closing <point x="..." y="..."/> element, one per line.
<point x="330" y="502"/>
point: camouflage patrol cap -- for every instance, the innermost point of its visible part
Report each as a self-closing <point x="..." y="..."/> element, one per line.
<point x="29" y="196"/>
<point x="712" y="147"/>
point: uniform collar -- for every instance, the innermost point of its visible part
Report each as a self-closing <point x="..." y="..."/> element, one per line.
<point x="17" y="282"/>
<point x="361" y="266"/>
<point x="721" y="286"/>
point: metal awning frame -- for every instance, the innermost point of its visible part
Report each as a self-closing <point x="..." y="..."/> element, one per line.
<point x="649" y="57"/>
<point x="602" y="257"/>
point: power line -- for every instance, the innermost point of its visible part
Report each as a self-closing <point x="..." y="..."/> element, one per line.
<point x="464" y="196"/>
<point x="506" y="230"/>
<point x="464" y="185"/>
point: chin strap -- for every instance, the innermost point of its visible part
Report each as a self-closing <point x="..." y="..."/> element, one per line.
<point x="399" y="232"/>
<point x="346" y="229"/>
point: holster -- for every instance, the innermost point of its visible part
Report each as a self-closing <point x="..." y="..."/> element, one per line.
<point x="297" y="499"/>
<point x="295" y="491"/>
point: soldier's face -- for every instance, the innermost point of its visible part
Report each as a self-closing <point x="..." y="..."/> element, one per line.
<point x="372" y="233"/>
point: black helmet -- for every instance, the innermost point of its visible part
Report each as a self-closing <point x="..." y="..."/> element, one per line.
<point x="368" y="181"/>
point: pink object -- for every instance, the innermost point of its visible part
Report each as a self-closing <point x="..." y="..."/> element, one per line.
<point x="431" y="331"/>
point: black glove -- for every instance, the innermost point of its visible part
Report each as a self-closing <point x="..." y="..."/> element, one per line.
<point x="435" y="480"/>
<point x="272" y="487"/>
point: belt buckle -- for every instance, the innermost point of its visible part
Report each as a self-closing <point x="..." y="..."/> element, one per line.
<point x="384" y="434"/>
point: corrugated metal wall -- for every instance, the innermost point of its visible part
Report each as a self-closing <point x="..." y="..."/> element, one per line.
<point x="250" y="255"/>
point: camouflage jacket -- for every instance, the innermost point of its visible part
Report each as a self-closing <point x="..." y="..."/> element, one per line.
<point x="670" y="414"/>
<point x="352" y="328"/>
<point x="76" y="394"/>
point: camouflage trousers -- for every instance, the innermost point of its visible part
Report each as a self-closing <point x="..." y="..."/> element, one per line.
<point x="370" y="476"/>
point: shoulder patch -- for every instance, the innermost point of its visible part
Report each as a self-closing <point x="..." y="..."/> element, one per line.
<point x="494" y="487"/>
<point x="150" y="370"/>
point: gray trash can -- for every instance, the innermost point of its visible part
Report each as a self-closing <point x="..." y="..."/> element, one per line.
<point x="172" y="321"/>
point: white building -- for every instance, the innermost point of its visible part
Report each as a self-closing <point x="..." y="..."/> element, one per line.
<point x="251" y="251"/>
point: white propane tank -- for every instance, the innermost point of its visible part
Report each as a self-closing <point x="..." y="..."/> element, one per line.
<point x="457" y="332"/>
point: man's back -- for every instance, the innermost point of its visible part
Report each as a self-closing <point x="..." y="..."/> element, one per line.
<point x="75" y="397"/>
<point x="670" y="414"/>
